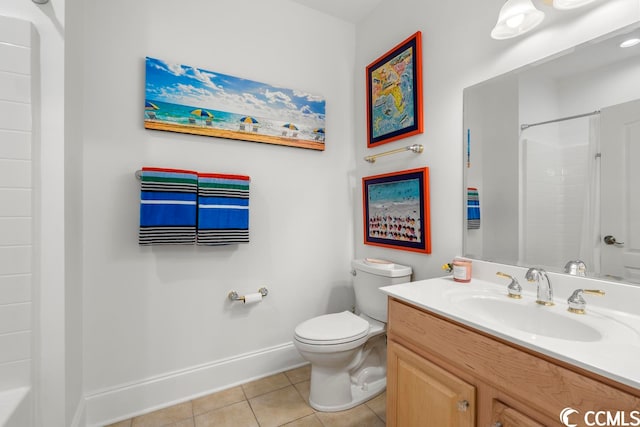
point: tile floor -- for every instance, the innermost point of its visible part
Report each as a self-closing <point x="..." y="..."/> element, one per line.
<point x="278" y="400"/>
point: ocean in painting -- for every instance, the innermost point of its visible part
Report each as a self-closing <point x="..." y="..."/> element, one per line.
<point x="181" y="114"/>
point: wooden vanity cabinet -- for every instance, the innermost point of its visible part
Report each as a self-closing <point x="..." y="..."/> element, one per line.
<point x="441" y="373"/>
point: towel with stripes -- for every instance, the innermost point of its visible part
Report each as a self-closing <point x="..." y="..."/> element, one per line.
<point x="168" y="206"/>
<point x="223" y="209"/>
<point x="473" y="209"/>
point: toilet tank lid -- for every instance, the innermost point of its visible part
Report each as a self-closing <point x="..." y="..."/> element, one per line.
<point x="381" y="267"/>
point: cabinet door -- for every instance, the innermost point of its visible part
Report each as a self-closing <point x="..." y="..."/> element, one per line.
<point x="504" y="416"/>
<point x="421" y="394"/>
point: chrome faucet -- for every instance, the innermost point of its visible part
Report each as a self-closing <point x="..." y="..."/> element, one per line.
<point x="545" y="293"/>
<point x="576" y="268"/>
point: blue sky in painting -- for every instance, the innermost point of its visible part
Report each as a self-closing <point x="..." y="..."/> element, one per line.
<point x="185" y="85"/>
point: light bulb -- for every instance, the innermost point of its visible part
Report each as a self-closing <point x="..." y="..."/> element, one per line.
<point x="570" y="4"/>
<point x="515" y="21"/>
<point x="630" y="42"/>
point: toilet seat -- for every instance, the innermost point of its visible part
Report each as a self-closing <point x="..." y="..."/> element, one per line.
<point x="332" y="329"/>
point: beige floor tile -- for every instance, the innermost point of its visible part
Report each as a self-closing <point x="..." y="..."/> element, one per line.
<point x="184" y="423"/>
<point x="360" y="416"/>
<point x="379" y="405"/>
<point x="217" y="400"/>
<point x="265" y="385"/>
<point x="304" y="390"/>
<point x="125" y="423"/>
<point x="308" y="421"/>
<point x="166" y="416"/>
<point x="279" y="407"/>
<point x="299" y="374"/>
<point x="236" y="415"/>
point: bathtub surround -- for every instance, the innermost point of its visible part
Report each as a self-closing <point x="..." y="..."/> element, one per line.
<point x="16" y="226"/>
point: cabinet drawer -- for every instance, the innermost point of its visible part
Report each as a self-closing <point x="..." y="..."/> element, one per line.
<point x="504" y="416"/>
<point x="545" y="387"/>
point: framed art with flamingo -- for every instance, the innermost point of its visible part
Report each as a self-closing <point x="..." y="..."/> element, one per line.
<point x="186" y="99"/>
<point x="394" y="93"/>
<point x="396" y="210"/>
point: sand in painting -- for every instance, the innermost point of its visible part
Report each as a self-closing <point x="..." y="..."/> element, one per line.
<point x="231" y="134"/>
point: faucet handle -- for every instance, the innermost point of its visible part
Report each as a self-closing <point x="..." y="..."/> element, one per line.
<point x="577" y="303"/>
<point x="514" y="289"/>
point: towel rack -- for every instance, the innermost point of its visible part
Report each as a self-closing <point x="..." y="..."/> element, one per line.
<point x="233" y="295"/>
<point x="416" y="148"/>
<point x="138" y="174"/>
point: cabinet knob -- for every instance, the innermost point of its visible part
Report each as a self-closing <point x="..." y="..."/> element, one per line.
<point x="496" y="424"/>
<point x="463" y="405"/>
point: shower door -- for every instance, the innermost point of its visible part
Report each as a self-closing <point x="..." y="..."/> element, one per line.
<point x="620" y="212"/>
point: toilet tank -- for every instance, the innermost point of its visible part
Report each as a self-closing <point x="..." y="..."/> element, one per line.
<point x="370" y="275"/>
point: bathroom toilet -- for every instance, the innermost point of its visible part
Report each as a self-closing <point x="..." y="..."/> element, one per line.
<point x="348" y="352"/>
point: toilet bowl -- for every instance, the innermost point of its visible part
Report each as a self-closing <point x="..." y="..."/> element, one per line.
<point x="348" y="352"/>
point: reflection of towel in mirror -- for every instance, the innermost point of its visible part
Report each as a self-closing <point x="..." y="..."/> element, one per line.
<point x="473" y="209"/>
<point x="167" y="206"/>
<point x="223" y="209"/>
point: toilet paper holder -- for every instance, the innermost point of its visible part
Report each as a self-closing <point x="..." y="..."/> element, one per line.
<point x="233" y="295"/>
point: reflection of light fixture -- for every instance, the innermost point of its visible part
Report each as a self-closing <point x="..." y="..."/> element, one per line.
<point x="570" y="4"/>
<point x="516" y="17"/>
<point x="630" y="42"/>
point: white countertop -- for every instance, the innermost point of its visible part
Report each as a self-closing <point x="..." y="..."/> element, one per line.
<point x="615" y="355"/>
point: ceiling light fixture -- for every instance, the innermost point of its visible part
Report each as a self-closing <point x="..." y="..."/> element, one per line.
<point x="570" y="4"/>
<point x="516" y="17"/>
<point x="630" y="42"/>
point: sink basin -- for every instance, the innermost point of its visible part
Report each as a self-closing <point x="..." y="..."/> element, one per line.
<point x="528" y="317"/>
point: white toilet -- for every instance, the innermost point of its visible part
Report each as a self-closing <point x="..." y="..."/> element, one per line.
<point x="348" y="352"/>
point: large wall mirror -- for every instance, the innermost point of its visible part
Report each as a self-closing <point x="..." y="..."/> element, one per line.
<point x="552" y="162"/>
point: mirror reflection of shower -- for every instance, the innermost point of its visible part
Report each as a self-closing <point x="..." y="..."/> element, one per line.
<point x="559" y="197"/>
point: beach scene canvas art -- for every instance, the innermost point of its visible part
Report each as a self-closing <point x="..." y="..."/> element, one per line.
<point x="186" y="99"/>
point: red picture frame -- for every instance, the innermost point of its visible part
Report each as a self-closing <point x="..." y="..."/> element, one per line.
<point x="396" y="210"/>
<point x="394" y="93"/>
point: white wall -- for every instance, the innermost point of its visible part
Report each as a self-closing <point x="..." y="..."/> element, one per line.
<point x="457" y="52"/>
<point x="16" y="226"/>
<point x="160" y="315"/>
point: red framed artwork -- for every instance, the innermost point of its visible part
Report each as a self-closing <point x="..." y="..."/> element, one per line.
<point x="396" y="210"/>
<point x="394" y="93"/>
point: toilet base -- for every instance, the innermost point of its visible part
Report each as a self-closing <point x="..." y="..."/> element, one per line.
<point x="359" y="394"/>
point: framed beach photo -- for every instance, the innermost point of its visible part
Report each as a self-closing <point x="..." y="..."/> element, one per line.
<point x="394" y="93"/>
<point x="396" y="210"/>
<point x="185" y="99"/>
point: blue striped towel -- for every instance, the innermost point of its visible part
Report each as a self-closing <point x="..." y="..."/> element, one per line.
<point x="168" y="206"/>
<point x="223" y="209"/>
<point x="473" y="209"/>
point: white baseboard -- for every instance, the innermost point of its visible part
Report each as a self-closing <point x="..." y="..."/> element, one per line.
<point x="129" y="400"/>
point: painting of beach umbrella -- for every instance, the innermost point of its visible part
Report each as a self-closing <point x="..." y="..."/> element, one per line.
<point x="319" y="134"/>
<point x="249" y="121"/>
<point x="290" y="126"/>
<point x="149" y="107"/>
<point x="203" y="114"/>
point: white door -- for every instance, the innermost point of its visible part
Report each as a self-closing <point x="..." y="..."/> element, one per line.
<point x="620" y="190"/>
